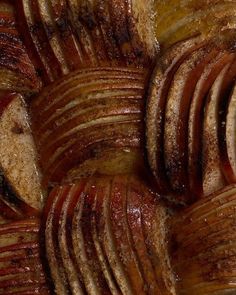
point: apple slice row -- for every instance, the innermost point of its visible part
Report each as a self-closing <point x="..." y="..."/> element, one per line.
<point x="203" y="245"/>
<point x="18" y="156"/>
<point x="176" y="21"/>
<point x="113" y="31"/>
<point x="183" y="118"/>
<point x="21" y="270"/>
<point x="87" y="116"/>
<point x="16" y="69"/>
<point x="103" y="236"/>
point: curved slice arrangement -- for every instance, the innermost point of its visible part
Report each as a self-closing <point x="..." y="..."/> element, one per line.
<point x="189" y="121"/>
<point x="100" y="238"/>
<point x="117" y="147"/>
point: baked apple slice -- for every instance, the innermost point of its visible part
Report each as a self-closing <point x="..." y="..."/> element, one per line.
<point x="228" y="154"/>
<point x="21" y="270"/>
<point x="156" y="105"/>
<point x="112" y="32"/>
<point x="16" y="69"/>
<point x="176" y="117"/>
<point x="195" y="122"/>
<point x="203" y="252"/>
<point x="17" y="152"/>
<point x="86" y="117"/>
<point x="36" y="41"/>
<point x="213" y="178"/>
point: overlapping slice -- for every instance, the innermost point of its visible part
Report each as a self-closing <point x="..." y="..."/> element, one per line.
<point x="203" y="245"/>
<point x="21" y="270"/>
<point x="114" y="31"/>
<point x="179" y="20"/>
<point x="105" y="233"/>
<point x="94" y="118"/>
<point x="16" y="70"/>
<point x="186" y="111"/>
<point x="18" y="156"/>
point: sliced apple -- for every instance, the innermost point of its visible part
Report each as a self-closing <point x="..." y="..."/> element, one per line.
<point x="156" y="104"/>
<point x="70" y="45"/>
<point x="50" y="239"/>
<point x="176" y="118"/>
<point x="93" y="111"/>
<point x="195" y="122"/>
<point x="20" y="265"/>
<point x="103" y="260"/>
<point x="112" y="31"/>
<point x="134" y="219"/>
<point x="16" y="69"/>
<point x="203" y="245"/>
<point x="83" y="245"/>
<point x="122" y="235"/>
<point x="35" y="38"/>
<point x="213" y="178"/>
<point x="18" y="154"/>
<point x="156" y="234"/>
<point x="65" y="239"/>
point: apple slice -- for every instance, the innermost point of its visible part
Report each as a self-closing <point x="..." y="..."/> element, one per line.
<point x="16" y="69"/>
<point x="70" y="46"/>
<point x="111" y="32"/>
<point x="156" y="234"/>
<point x="65" y="239"/>
<point x="176" y="117"/>
<point x="229" y="154"/>
<point x="35" y="38"/>
<point x="50" y="239"/>
<point x="121" y="234"/>
<point x="18" y="154"/>
<point x="20" y="265"/>
<point x="156" y="104"/>
<point x="203" y="251"/>
<point x="195" y="124"/>
<point x="106" y="235"/>
<point x="103" y="260"/>
<point x="83" y="245"/>
<point x="134" y="219"/>
<point x="213" y="178"/>
<point x="66" y="122"/>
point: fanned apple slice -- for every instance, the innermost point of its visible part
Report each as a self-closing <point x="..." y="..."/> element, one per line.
<point x="16" y="69"/>
<point x="83" y="245"/>
<point x="87" y="115"/>
<point x="65" y="239"/>
<point x="51" y="31"/>
<point x="156" y="104"/>
<point x="195" y="124"/>
<point x="122" y="235"/>
<point x="134" y="219"/>
<point x="228" y="152"/>
<point x="36" y="41"/>
<point x="155" y="230"/>
<point x="70" y="46"/>
<point x="107" y="271"/>
<point x="21" y="269"/>
<point x="112" y="31"/>
<point x="106" y="235"/>
<point x="203" y="250"/>
<point x="176" y="117"/>
<point x="50" y="239"/>
<point x="17" y="152"/>
<point x="213" y="178"/>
